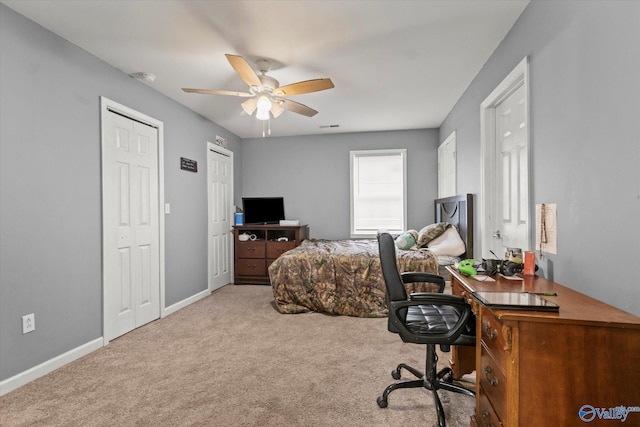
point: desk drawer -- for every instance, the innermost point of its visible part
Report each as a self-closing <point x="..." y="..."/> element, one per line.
<point x="458" y="289"/>
<point x="493" y="382"/>
<point x="486" y="415"/>
<point x="251" y="267"/>
<point x="495" y="336"/>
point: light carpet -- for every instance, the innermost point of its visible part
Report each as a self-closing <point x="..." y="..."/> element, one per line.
<point x="232" y="360"/>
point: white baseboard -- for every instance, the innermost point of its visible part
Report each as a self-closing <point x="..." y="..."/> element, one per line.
<point x="50" y="365"/>
<point x="185" y="302"/>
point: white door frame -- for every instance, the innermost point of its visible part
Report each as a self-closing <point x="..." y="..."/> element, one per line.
<point x="107" y="105"/>
<point x="225" y="152"/>
<point x="518" y="77"/>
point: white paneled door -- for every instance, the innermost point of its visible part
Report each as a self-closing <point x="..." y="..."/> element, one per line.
<point x="512" y="208"/>
<point x="130" y="224"/>
<point x="220" y="189"/>
<point x="505" y="199"/>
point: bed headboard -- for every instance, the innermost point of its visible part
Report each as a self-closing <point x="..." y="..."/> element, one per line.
<point x="458" y="210"/>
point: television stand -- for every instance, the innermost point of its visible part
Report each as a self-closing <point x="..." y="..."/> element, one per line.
<point x="266" y="242"/>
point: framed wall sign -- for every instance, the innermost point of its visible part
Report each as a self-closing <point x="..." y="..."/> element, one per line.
<point x="188" y="165"/>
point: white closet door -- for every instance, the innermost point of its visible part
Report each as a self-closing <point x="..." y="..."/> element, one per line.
<point x="220" y="188"/>
<point x="131" y="225"/>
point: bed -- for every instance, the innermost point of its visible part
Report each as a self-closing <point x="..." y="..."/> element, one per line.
<point x="458" y="211"/>
<point x="343" y="277"/>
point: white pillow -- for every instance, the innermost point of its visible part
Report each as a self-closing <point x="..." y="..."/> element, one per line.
<point x="448" y="243"/>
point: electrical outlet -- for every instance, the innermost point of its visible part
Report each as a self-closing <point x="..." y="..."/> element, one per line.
<point x="28" y="323"/>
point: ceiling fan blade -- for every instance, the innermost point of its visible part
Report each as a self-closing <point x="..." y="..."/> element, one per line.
<point x="244" y="70"/>
<point x="306" y="86"/>
<point x="296" y="107"/>
<point x="249" y="106"/>
<point x="276" y="109"/>
<point x="217" y="92"/>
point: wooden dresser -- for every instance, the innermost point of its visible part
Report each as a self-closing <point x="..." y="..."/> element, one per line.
<point x="575" y="367"/>
<point x="253" y="257"/>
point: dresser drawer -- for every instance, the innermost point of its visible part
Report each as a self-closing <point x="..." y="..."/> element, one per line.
<point x="275" y="249"/>
<point x="495" y="336"/>
<point x="251" y="267"/>
<point x="493" y="382"/>
<point x="486" y="415"/>
<point x="251" y="249"/>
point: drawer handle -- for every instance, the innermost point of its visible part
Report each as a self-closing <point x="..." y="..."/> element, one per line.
<point x="491" y="334"/>
<point x="485" y="415"/>
<point x="492" y="381"/>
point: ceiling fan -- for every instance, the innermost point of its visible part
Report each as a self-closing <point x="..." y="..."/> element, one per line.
<point x="265" y="93"/>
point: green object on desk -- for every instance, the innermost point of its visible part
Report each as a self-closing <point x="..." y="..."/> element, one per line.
<point x="466" y="267"/>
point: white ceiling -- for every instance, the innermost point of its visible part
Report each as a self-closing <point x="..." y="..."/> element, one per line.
<point x="396" y="64"/>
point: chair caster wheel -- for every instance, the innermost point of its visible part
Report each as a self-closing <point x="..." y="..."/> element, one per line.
<point x="382" y="402"/>
<point x="396" y="374"/>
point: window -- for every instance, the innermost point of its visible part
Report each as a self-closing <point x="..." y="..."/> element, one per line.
<point x="378" y="192"/>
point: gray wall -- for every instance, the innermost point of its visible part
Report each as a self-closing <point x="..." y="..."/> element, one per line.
<point x="585" y="102"/>
<point x="50" y="218"/>
<point x="312" y="174"/>
<point x="585" y="136"/>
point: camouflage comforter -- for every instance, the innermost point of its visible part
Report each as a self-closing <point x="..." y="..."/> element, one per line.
<point x="340" y="277"/>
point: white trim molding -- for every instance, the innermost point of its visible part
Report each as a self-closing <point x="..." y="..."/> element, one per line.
<point x="50" y="365"/>
<point x="185" y="302"/>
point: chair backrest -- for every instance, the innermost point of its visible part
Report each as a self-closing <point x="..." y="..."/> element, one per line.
<point x="395" y="288"/>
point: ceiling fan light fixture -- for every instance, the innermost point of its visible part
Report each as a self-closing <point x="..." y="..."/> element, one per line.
<point x="276" y="109"/>
<point x="264" y="103"/>
<point x="262" y="114"/>
<point x="249" y="106"/>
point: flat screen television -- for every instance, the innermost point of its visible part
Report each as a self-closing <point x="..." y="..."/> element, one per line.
<point x="263" y="210"/>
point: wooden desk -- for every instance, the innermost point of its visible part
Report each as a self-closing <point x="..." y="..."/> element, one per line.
<point x="542" y="368"/>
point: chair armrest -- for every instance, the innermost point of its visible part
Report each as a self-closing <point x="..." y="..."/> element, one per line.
<point x="432" y="299"/>
<point x="420" y="277"/>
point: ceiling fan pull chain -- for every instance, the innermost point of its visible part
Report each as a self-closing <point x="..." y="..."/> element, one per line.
<point x="266" y="128"/>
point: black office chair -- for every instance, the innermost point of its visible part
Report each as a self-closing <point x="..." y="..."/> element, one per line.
<point x="424" y="318"/>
